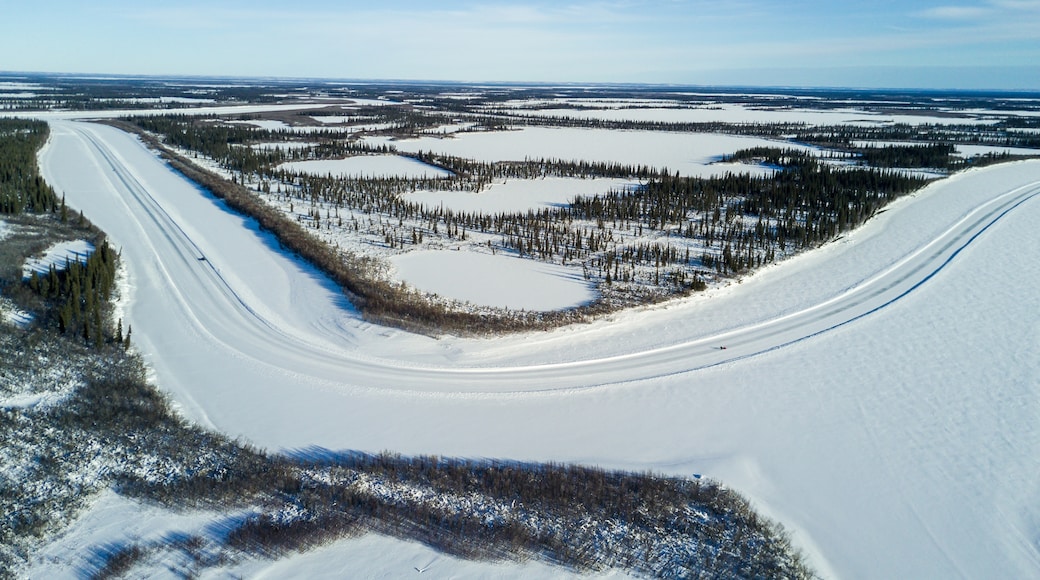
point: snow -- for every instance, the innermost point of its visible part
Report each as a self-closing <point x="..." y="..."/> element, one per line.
<point x="737" y="113"/>
<point x="58" y="255"/>
<point x="519" y="195"/>
<point x="368" y="166"/>
<point x="900" y="421"/>
<point x="5" y="229"/>
<point x="960" y="149"/>
<point x="344" y="119"/>
<point x="973" y="150"/>
<point x="332" y="119"/>
<point x="270" y="125"/>
<point x="29" y="400"/>
<point x="161" y="100"/>
<point x="449" y="128"/>
<point x="691" y="154"/>
<point x="116" y="113"/>
<point x="11" y="314"/>
<point x="284" y="145"/>
<point x="340" y="129"/>
<point x="357" y="103"/>
<point x="494" y="280"/>
<point x="351" y="558"/>
<point x="125" y="521"/>
<point x="10" y="85"/>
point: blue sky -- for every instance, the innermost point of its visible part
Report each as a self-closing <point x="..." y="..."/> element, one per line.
<point x="968" y="44"/>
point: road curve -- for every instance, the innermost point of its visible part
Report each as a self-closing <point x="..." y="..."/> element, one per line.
<point x="182" y="258"/>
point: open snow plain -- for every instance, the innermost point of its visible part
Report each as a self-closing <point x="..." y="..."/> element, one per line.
<point x="880" y="397"/>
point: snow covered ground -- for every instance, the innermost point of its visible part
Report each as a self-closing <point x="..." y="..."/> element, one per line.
<point x="284" y="145"/>
<point x="960" y="149"/>
<point x="880" y="396"/>
<point x="11" y="314"/>
<point x="973" y="150"/>
<point x="499" y="280"/>
<point x="269" y="124"/>
<point x="370" y="556"/>
<point x="691" y="154"/>
<point x="519" y="195"/>
<point x="368" y="166"/>
<point x="735" y="113"/>
<point x="58" y="255"/>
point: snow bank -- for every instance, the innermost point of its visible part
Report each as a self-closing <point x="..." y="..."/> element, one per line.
<point x="494" y="280"/>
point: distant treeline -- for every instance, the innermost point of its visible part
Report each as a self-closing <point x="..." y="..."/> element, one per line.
<point x="840" y="135"/>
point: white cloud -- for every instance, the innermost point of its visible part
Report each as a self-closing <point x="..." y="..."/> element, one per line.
<point x="956" y="12"/>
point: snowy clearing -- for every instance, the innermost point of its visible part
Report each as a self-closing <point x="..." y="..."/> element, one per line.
<point x="494" y="280"/>
<point x="973" y="150"/>
<point x="691" y="154"/>
<point x="270" y="125"/>
<point x="368" y="166"/>
<point x="850" y="411"/>
<point x="284" y="145"/>
<point x="58" y="256"/>
<point x="124" y="521"/>
<point x="519" y="195"/>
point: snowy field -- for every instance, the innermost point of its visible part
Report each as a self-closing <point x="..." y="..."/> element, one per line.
<point x="502" y="280"/>
<point x="284" y="145"/>
<point x="973" y="150"/>
<point x="58" y="256"/>
<point x="519" y="195"/>
<point x="368" y="166"/>
<point x="270" y="125"/>
<point x="370" y="556"/>
<point x="856" y="401"/>
<point x="733" y="113"/>
<point x="691" y="154"/>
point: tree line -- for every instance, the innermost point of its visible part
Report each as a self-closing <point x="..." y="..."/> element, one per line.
<point x="21" y="187"/>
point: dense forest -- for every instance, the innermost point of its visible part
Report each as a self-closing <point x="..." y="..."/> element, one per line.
<point x="21" y="188"/>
